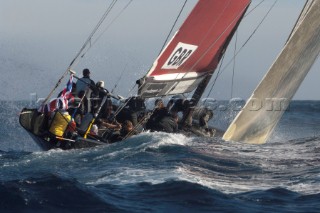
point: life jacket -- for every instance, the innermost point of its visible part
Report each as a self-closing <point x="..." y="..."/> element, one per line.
<point x="59" y="123"/>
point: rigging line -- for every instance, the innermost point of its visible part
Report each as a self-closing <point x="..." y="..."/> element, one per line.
<point x="168" y="36"/>
<point x="224" y="68"/>
<point x="232" y="22"/>
<point x="119" y="109"/>
<point x="55" y="87"/>
<point x="195" y="62"/>
<point x="245" y="43"/>
<point x="125" y="103"/>
<point x="216" y="78"/>
<point x="174" y="24"/>
<point x="113" y="20"/>
<point x="206" y="35"/>
<point x="227" y="28"/>
<point x="88" y="41"/>
<point x="116" y="84"/>
<point x="234" y="63"/>
<point x="266" y="15"/>
<point x="222" y="60"/>
<point x="160" y="53"/>
<point x="79" y="105"/>
<point x="130" y="91"/>
<point x="213" y="43"/>
<point x="107" y="12"/>
<point x="145" y="119"/>
<point x="254" y="8"/>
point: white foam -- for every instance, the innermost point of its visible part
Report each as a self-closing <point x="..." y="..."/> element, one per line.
<point x="165" y="139"/>
<point x="127" y="175"/>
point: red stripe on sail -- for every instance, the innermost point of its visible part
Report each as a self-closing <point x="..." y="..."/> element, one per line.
<point x="198" y="44"/>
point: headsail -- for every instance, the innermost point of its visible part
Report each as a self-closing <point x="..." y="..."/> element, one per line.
<point x="304" y="12"/>
<point x="268" y="102"/>
<point x="195" y="50"/>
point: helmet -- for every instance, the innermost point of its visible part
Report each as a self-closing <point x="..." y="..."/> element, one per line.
<point x="100" y="84"/>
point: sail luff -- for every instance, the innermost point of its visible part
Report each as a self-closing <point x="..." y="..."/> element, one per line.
<point x="302" y="15"/>
<point x="263" y="110"/>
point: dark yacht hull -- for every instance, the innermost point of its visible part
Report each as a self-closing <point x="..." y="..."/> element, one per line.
<point x="79" y="143"/>
<point x="29" y="121"/>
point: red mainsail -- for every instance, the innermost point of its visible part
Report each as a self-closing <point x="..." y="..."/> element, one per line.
<point x="196" y="48"/>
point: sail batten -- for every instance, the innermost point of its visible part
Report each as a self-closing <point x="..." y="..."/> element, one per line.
<point x="196" y="48"/>
<point x="263" y="110"/>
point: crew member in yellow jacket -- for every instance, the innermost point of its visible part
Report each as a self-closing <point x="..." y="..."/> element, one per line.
<point x="60" y="123"/>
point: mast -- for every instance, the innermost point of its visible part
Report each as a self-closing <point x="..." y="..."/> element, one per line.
<point x="263" y="110"/>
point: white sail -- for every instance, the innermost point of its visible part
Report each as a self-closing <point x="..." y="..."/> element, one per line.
<point x="302" y="16"/>
<point x="256" y="121"/>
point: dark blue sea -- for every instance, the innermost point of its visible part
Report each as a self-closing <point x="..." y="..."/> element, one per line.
<point x="159" y="172"/>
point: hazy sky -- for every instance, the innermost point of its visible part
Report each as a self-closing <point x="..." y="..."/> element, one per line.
<point x="39" y="38"/>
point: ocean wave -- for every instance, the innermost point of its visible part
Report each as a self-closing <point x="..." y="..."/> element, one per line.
<point x="52" y="193"/>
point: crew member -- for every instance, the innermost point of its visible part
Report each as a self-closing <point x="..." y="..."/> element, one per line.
<point x="126" y="131"/>
<point x="161" y="120"/>
<point x="106" y="121"/>
<point x="97" y="95"/>
<point x="85" y="84"/>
